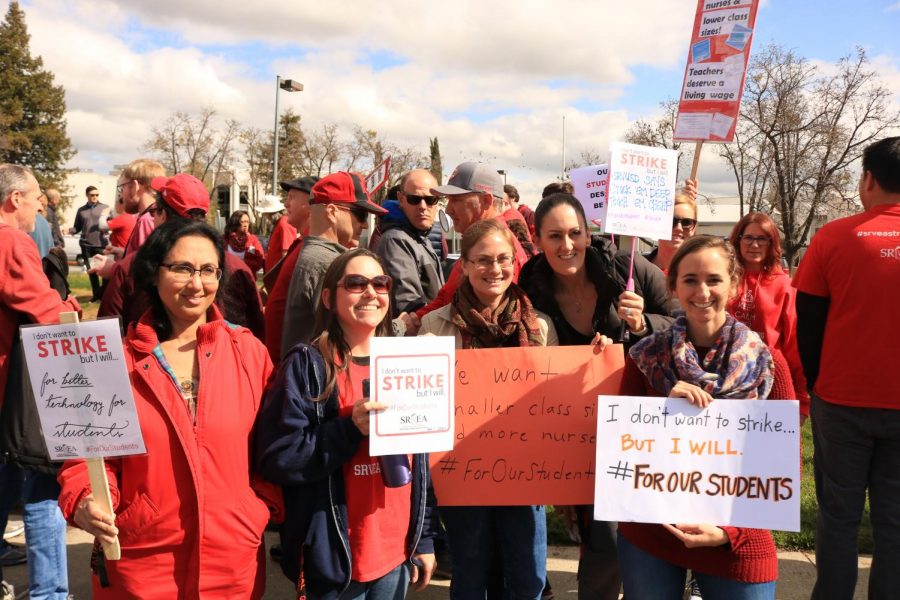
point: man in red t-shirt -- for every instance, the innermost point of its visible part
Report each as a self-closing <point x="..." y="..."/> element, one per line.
<point x="848" y="333"/>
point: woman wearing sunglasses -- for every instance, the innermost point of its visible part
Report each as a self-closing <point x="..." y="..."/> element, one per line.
<point x="765" y="298"/>
<point x="684" y="226"/>
<point x="190" y="516"/>
<point x="346" y="534"/>
<point x="490" y="311"/>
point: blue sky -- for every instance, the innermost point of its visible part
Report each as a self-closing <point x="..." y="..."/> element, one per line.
<point x="495" y="86"/>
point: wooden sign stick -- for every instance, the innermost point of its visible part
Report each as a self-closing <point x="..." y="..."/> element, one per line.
<point x="97" y="474"/>
<point x="696" y="165"/>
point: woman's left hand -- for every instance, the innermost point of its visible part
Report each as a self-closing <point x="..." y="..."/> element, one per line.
<point x="421" y="576"/>
<point x="698" y="536"/>
<point x="601" y="341"/>
<point x="631" y="311"/>
<point x="361" y="411"/>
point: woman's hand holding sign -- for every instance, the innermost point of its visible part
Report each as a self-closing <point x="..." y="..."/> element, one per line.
<point x="91" y="518"/>
<point x="698" y="536"/>
<point x="693" y="394"/>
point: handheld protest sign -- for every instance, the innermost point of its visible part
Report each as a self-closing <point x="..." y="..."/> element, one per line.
<point x="525" y="425"/>
<point x="664" y="460"/>
<point x="414" y="377"/>
<point x="641" y="197"/>
<point x="710" y="102"/>
<point x="379" y="176"/>
<point x="83" y="396"/>
<point x="591" y="187"/>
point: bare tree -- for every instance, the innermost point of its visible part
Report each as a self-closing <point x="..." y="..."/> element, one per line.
<point x="586" y="158"/>
<point x="802" y="130"/>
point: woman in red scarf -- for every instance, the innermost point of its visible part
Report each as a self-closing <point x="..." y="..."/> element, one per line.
<point x="243" y="244"/>
<point x="490" y="311"/>
<point x="765" y="298"/>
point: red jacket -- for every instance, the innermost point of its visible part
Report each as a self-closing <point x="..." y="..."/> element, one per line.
<point x="190" y="514"/>
<point x="775" y="319"/>
<point x="254" y="255"/>
<point x="283" y="235"/>
<point x="25" y="293"/>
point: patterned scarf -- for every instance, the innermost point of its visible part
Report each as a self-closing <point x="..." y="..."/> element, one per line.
<point x="738" y="365"/>
<point x="238" y="241"/>
<point x="513" y="323"/>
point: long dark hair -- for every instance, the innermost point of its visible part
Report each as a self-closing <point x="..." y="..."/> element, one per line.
<point x="154" y="251"/>
<point x="552" y="201"/>
<point x="234" y="221"/>
<point x="328" y="335"/>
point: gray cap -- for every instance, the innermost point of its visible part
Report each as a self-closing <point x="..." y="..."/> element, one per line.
<point x="473" y="177"/>
<point x="304" y="184"/>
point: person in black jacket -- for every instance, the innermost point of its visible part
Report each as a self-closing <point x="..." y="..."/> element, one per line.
<point x="580" y="284"/>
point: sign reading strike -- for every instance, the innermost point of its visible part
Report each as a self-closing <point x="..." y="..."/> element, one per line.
<point x="414" y="377"/>
<point x="525" y="425"/>
<point x="591" y="185"/>
<point x="663" y="460"/>
<point x="641" y="198"/>
<point x="82" y="390"/>
<point x="716" y="68"/>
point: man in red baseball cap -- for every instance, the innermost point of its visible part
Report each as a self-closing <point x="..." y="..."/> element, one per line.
<point x="339" y="210"/>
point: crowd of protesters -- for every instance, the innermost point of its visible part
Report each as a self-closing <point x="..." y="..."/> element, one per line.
<point x="254" y="407"/>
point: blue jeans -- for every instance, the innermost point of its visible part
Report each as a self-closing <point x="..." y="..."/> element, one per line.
<point x="518" y="532"/>
<point x="391" y="586"/>
<point x="650" y="578"/>
<point x="45" y="536"/>
<point x="856" y="449"/>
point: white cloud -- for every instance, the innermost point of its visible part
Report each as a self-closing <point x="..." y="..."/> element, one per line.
<point x="893" y="7"/>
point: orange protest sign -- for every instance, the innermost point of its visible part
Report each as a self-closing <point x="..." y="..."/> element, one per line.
<point x="526" y="422"/>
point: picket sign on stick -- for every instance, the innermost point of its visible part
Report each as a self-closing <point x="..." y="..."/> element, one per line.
<point x="695" y="166"/>
<point x="97" y="475"/>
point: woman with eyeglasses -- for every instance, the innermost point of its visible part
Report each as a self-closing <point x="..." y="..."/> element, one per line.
<point x="490" y="311"/>
<point x="684" y="226"/>
<point x="346" y="533"/>
<point x="243" y="244"/>
<point x="765" y="298"/>
<point x="190" y="515"/>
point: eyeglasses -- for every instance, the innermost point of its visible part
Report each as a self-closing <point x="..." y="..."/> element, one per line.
<point x="360" y="214"/>
<point x="686" y="224"/>
<point x="357" y="284"/>
<point x="183" y="272"/>
<point x="751" y="240"/>
<point x="155" y="209"/>
<point x="429" y="200"/>
<point x="483" y="263"/>
<point x="123" y="184"/>
<point x="93" y="195"/>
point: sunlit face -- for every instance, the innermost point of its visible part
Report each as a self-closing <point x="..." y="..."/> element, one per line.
<point x="188" y="301"/>
<point x="349" y="224"/>
<point x="703" y="287"/>
<point x="128" y="189"/>
<point x="29" y="204"/>
<point x="564" y="239"/>
<point x="245" y="224"/>
<point x="418" y="185"/>
<point x="753" y="247"/>
<point x="489" y="267"/>
<point x="464" y="209"/>
<point x="679" y="231"/>
<point x="297" y="206"/>
<point x="360" y="312"/>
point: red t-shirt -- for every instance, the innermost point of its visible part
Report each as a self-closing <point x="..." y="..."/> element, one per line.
<point x="120" y="228"/>
<point x="378" y="517"/>
<point x="855" y="262"/>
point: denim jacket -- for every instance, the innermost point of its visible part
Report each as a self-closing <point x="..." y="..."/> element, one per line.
<point x="302" y="445"/>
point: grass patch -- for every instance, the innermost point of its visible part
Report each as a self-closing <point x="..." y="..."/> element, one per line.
<point x="80" y="285"/>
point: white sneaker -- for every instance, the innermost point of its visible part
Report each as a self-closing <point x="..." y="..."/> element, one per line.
<point x="14" y="528"/>
<point x="6" y="591"/>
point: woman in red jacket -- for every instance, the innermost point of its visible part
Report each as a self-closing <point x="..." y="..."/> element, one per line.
<point x="706" y="354"/>
<point x="243" y="244"/>
<point x="765" y="298"/>
<point x="190" y="516"/>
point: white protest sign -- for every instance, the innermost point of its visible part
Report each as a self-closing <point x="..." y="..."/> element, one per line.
<point x="591" y="185"/>
<point x="82" y="390"/>
<point x="414" y="377"/>
<point x="379" y="176"/>
<point x="641" y="197"/>
<point x="663" y="460"/>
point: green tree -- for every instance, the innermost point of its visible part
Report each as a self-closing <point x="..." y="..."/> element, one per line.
<point x="32" y="109"/>
<point x="436" y="166"/>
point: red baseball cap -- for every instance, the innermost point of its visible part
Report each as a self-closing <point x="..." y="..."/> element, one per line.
<point x="182" y="192"/>
<point x="347" y="188"/>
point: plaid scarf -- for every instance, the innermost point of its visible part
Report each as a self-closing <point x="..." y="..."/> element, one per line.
<point x="237" y="240"/>
<point x="513" y="323"/>
<point x="738" y="365"/>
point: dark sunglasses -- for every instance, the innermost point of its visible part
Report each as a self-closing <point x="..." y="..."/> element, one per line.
<point x="685" y="223"/>
<point x="357" y="284"/>
<point x="415" y="200"/>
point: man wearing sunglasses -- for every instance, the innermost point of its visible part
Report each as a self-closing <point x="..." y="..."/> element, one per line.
<point x="339" y="210"/>
<point x="405" y="248"/>
<point x="93" y="241"/>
